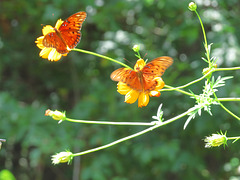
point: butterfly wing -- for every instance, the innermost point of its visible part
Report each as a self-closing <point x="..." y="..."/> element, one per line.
<point x="128" y="77"/>
<point x="70" y="29"/>
<point x="52" y="40"/>
<point x="143" y="80"/>
<point x="155" y="68"/>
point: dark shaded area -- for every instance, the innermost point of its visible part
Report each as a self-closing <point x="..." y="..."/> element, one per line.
<point x="80" y="84"/>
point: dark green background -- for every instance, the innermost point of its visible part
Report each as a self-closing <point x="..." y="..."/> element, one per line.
<point x="80" y="84"/>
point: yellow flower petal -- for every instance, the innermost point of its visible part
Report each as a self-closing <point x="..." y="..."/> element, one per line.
<point x="131" y="96"/>
<point x="54" y="55"/>
<point x="45" y="52"/>
<point x="47" y="29"/>
<point x="39" y="42"/>
<point x="58" y="23"/>
<point x="154" y="93"/>
<point x="139" y="65"/>
<point x="123" y="88"/>
<point x="143" y="99"/>
<point x="160" y="84"/>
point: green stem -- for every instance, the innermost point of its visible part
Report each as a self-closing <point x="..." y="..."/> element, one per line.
<point x="199" y="79"/>
<point x="205" y="39"/>
<point x="134" y="135"/>
<point x="229" y="99"/>
<point x="226" y="69"/>
<point x="227" y="110"/>
<point x="188" y="84"/>
<point x="101" y="56"/>
<point x="233" y="137"/>
<point x="112" y="123"/>
<point x="170" y="88"/>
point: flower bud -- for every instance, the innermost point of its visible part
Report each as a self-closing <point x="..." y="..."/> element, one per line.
<point x="136" y="48"/>
<point x="56" y="115"/>
<point x="192" y="6"/>
<point x="215" y="140"/>
<point x="206" y="71"/>
<point x="62" y="157"/>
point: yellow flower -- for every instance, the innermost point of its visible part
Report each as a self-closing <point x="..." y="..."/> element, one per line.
<point x="142" y="96"/>
<point x="132" y="95"/>
<point x="49" y="53"/>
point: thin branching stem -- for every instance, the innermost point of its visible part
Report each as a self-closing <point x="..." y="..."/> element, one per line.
<point x="101" y="56"/>
<point x="134" y="135"/>
<point x="112" y="123"/>
<point x="229" y="112"/>
<point x="229" y="99"/>
<point x="205" y="39"/>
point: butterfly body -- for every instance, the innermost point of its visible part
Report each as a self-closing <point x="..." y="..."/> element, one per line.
<point x="67" y="36"/>
<point x="142" y="78"/>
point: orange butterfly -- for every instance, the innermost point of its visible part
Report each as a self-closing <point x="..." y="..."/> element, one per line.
<point x="144" y="81"/>
<point x="59" y="40"/>
<point x="142" y="78"/>
<point x="68" y="35"/>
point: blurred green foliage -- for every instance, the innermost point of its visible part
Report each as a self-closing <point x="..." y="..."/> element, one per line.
<point x="6" y="175"/>
<point x="80" y="84"/>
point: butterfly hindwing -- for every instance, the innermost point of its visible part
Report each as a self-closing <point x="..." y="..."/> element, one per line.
<point x="149" y="83"/>
<point x="128" y="77"/>
<point x="155" y="68"/>
<point x="70" y="29"/>
<point x="52" y="40"/>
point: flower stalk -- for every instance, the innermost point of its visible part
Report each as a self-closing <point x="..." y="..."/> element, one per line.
<point x="101" y="56"/>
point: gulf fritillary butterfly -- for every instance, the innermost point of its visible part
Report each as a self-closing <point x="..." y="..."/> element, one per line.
<point x="67" y="36"/>
<point x="142" y="80"/>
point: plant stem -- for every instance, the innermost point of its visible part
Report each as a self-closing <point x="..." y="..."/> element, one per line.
<point x="112" y="123"/>
<point x="231" y="113"/>
<point x="237" y="137"/>
<point x="134" y="135"/>
<point x="199" y="79"/>
<point x="176" y="89"/>
<point x="205" y="39"/>
<point x="226" y="69"/>
<point x="188" y="84"/>
<point x="101" y="56"/>
<point x="229" y="99"/>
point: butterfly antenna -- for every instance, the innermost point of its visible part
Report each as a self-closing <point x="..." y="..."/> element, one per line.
<point x="144" y="57"/>
<point x="128" y="61"/>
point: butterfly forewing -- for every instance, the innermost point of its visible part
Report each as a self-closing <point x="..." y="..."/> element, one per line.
<point x="70" y="29"/>
<point x="157" y="66"/>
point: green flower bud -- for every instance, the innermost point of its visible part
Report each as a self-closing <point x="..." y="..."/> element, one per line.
<point x="56" y="115"/>
<point x="136" y="48"/>
<point x="62" y="157"/>
<point x="215" y="140"/>
<point x="192" y="6"/>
